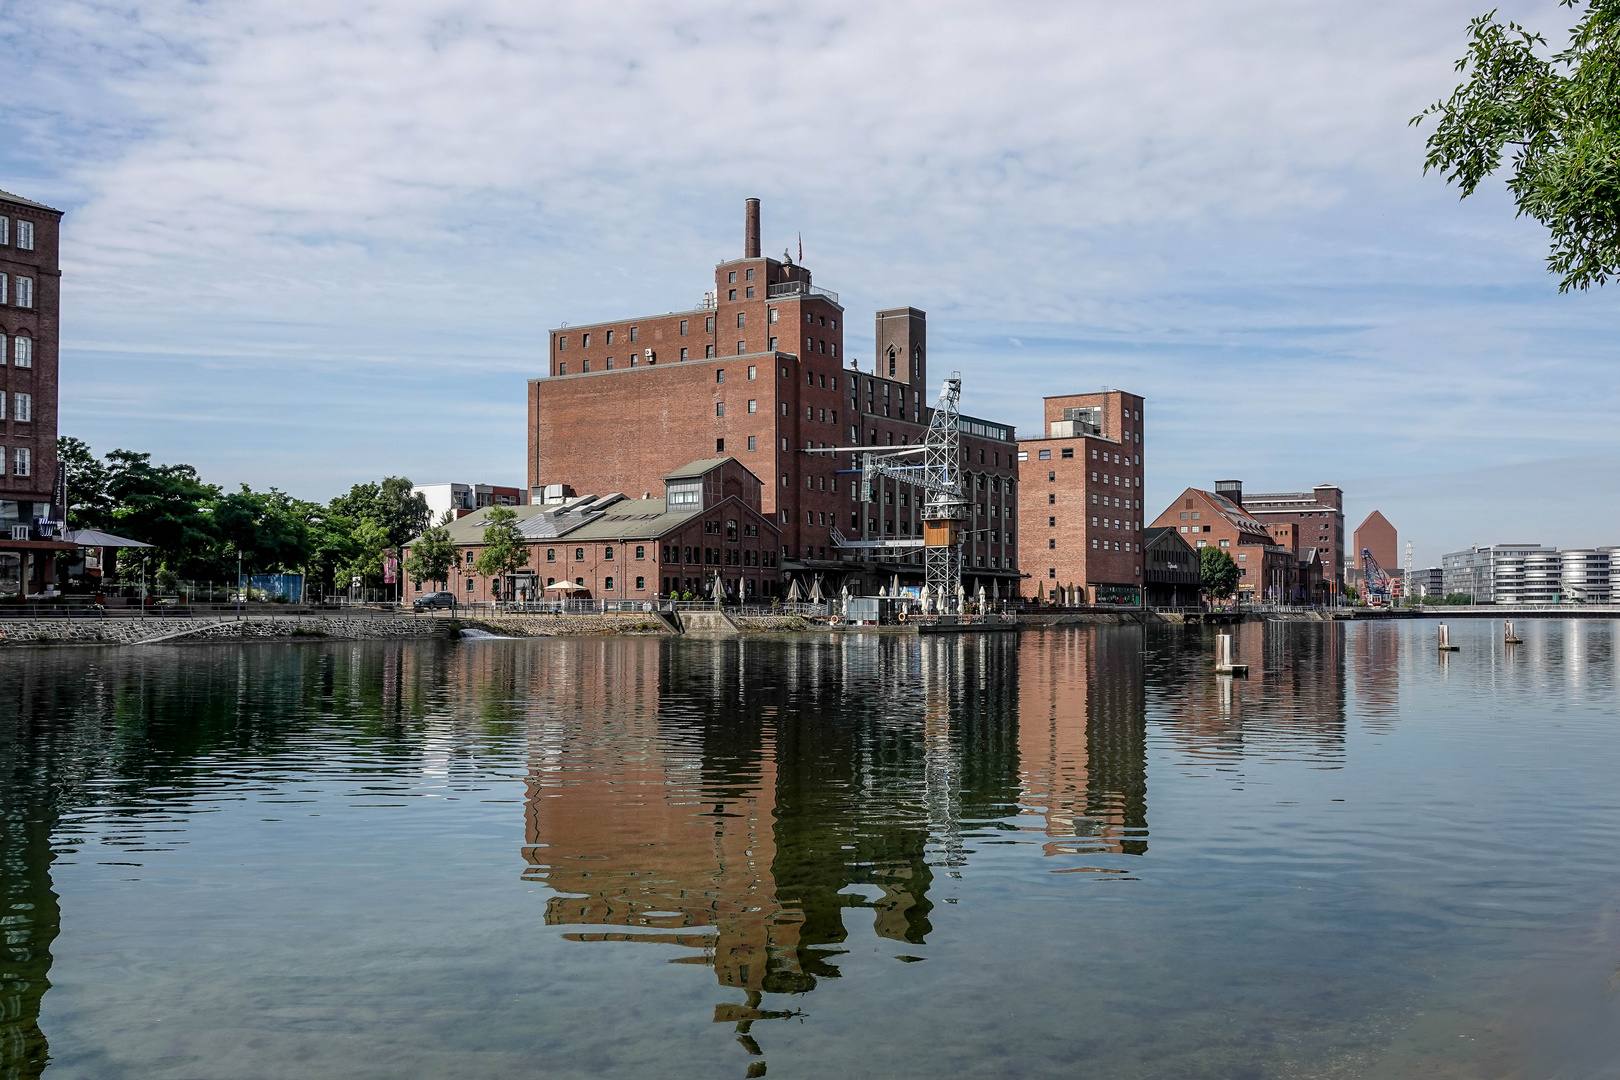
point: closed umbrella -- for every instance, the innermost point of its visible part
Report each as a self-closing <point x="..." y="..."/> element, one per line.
<point x="981" y="598"/>
<point x="815" y="590"/>
<point x="794" y="596"/>
<point x="961" y="599"/>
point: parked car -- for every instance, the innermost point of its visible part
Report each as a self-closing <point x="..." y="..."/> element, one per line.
<point x="434" y="600"/>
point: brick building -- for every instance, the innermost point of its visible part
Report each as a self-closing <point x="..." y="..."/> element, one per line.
<point x="30" y="308"/>
<point x="759" y="371"/>
<point x="1081" y="499"/>
<point x="1217" y="519"/>
<point x="1319" y="513"/>
<point x="1377" y="536"/>
<point x="705" y="524"/>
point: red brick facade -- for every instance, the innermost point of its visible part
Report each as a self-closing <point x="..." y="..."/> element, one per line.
<point x="1207" y="519"/>
<point x="1081" y="500"/>
<point x="1319" y="513"/>
<point x="766" y="378"/>
<point x="1378" y="536"/>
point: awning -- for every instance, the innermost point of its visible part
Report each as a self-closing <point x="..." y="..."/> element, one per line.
<point x="97" y="538"/>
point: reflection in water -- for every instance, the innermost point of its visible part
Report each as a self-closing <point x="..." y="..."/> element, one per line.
<point x="776" y="809"/>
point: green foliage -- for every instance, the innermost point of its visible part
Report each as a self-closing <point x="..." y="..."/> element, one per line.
<point x="1217" y="572"/>
<point x="1561" y="117"/>
<point x="432" y="554"/>
<point x="504" y="550"/>
<point x="198" y="529"/>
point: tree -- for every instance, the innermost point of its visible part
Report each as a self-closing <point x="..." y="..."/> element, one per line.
<point x="270" y="530"/>
<point x="166" y="506"/>
<point x="391" y="504"/>
<point x="367" y="542"/>
<point x="432" y="554"/>
<point x="504" y="550"/>
<point x="90" y="503"/>
<point x="1561" y="116"/>
<point x="1217" y="572"/>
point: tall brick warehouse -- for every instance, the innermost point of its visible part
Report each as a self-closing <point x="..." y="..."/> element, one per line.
<point x="759" y="371"/>
<point x="30" y="308"/>
<point x="1081" y="500"/>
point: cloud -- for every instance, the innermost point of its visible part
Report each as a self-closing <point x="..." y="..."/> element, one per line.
<point x="369" y="214"/>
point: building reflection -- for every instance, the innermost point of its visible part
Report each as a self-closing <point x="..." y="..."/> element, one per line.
<point x="741" y="799"/>
<point x="1082" y="739"/>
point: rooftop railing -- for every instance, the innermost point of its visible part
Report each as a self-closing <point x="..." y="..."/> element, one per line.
<point x="798" y="288"/>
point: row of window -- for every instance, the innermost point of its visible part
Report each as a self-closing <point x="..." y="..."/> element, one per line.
<point x="22" y="461"/>
<point x="24" y="233"/>
<point x="19" y="348"/>
<point x="22" y="408"/>
<point x="17" y="290"/>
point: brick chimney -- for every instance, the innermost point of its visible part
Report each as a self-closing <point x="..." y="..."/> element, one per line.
<point x="751" y="229"/>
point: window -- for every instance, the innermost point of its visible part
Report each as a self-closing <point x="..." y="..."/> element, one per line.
<point x="731" y="278"/>
<point x="562" y="343"/>
<point x="742" y="348"/>
<point x="683" y="354"/>
<point x="22" y="409"/>
<point x="23" y="351"/>
<point x="1050" y="476"/>
<point x="1051" y="500"/>
<point x="741" y="320"/>
<point x="708" y="351"/>
<point x="1195" y="513"/>
<point x="579" y="554"/>
<point x="719" y="446"/>
<point x="635" y="333"/>
<point x="1226" y="543"/>
<point x="607" y="553"/>
<point x="1044" y="455"/>
<point x="25" y="292"/>
<point x="1023" y="455"/>
<point x="1068" y="451"/>
<point x="584" y="341"/>
<point x="683" y="328"/>
<point x="731" y="294"/>
<point x="751" y="370"/>
<point x="25" y="235"/>
<point x="586" y="365"/>
<point x="708" y="325"/>
<point x="607" y="584"/>
<point x="753" y="443"/>
<point x="753" y="406"/>
<point x="610" y="363"/>
<point x="5" y="238"/>
<point x="551" y="554"/>
<point x="641" y="583"/>
<point x="1051" y="543"/>
<point x="719" y="375"/>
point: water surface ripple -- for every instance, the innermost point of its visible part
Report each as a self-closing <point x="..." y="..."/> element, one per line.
<point x="1067" y="852"/>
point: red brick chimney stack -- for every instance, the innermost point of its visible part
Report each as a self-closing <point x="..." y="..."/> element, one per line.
<point x="751" y="230"/>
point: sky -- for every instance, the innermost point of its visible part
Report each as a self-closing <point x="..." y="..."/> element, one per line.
<point x="314" y="242"/>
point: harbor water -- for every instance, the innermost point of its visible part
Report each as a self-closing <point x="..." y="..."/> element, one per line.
<point x="1068" y="852"/>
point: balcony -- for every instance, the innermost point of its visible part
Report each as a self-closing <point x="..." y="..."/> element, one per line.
<point x="798" y="288"/>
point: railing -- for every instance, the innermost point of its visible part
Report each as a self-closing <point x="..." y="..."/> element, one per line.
<point x="798" y="288"/>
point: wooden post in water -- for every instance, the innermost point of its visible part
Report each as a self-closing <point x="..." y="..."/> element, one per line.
<point x="1445" y="639"/>
<point x="1508" y="637"/>
<point x="1223" y="658"/>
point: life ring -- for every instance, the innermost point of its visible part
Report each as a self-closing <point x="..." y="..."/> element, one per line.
<point x="901" y="616"/>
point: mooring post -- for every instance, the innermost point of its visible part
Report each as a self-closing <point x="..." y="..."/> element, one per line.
<point x="1508" y="637"/>
<point x="1223" y="657"/>
<point x="1445" y="639"/>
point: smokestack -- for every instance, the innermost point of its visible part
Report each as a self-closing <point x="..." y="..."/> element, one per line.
<point x="751" y="230"/>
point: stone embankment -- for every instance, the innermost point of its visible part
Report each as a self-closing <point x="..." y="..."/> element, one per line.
<point x="121" y="631"/>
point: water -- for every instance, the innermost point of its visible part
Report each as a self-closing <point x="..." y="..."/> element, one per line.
<point x="1067" y="853"/>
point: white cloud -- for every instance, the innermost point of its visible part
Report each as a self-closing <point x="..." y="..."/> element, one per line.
<point x="373" y="212"/>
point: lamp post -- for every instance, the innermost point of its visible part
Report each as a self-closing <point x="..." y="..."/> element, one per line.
<point x="239" y="584"/>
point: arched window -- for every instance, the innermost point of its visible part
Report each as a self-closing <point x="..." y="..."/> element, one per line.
<point x="891" y="361"/>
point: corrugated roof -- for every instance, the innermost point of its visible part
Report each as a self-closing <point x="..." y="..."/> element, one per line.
<point x="1234" y="513"/>
<point x="9" y="197"/>
<point x="697" y="468"/>
<point x="635" y="519"/>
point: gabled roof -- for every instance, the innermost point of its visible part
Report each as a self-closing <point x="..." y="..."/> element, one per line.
<point x="698" y="468"/>
<point x="1158" y="533"/>
<point x="6" y="196"/>
<point x="1234" y="513"/>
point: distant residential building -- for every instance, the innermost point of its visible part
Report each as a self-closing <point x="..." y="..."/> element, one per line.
<point x="1319" y="513"/>
<point x="1081" y="499"/>
<point x="708" y="524"/>
<point x="1171" y="570"/>
<point x="1217" y="519"/>
<point x="1429" y="581"/>
<point x="1376" y="536"/>
<point x="1584" y="574"/>
<point x="463" y="499"/>
<point x="1503" y="573"/>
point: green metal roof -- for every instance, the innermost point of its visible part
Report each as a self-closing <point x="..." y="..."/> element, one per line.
<point x="698" y="468"/>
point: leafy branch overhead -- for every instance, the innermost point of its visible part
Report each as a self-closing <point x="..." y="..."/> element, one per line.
<point x="1558" y="117"/>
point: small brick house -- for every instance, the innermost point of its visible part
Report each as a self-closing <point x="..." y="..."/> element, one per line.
<point x="707" y="524"/>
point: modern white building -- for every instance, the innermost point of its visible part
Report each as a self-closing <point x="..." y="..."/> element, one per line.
<point x="463" y="499"/>
<point x="1532" y="574"/>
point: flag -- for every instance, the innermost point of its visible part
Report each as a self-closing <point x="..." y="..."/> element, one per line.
<point x="801" y="247"/>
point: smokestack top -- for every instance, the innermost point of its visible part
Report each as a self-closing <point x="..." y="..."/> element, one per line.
<point x="751" y="229"/>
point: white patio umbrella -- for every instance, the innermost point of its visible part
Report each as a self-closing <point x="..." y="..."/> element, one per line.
<point x="793" y="592"/>
<point x="895" y="589"/>
<point x="981" y="598"/>
<point x="961" y="599"/>
<point x="815" y="590"/>
<point x="565" y="587"/>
